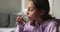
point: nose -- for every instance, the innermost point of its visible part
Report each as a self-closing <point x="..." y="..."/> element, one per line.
<point x="27" y="13"/>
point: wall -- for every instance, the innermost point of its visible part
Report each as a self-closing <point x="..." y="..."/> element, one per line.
<point x="57" y="8"/>
<point x="8" y="10"/>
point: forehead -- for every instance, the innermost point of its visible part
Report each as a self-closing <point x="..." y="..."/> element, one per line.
<point x="31" y="4"/>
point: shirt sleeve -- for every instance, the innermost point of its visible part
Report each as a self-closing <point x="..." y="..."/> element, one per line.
<point x="19" y="28"/>
<point x="53" y="27"/>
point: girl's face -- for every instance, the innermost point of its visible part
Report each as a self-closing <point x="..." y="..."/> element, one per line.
<point x="32" y="11"/>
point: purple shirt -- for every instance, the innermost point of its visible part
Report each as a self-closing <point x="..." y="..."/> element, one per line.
<point x="46" y="26"/>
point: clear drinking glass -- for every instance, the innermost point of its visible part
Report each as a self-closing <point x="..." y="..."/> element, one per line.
<point x="24" y="15"/>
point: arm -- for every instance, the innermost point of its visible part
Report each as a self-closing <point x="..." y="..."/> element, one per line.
<point x="53" y="27"/>
<point x="20" y="24"/>
<point x="19" y="28"/>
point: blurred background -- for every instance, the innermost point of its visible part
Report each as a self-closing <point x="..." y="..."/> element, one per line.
<point x="10" y="8"/>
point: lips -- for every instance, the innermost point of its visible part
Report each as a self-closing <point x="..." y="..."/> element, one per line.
<point x="29" y="18"/>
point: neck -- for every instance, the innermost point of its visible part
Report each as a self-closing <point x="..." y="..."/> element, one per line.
<point x="39" y="20"/>
<point x="33" y="23"/>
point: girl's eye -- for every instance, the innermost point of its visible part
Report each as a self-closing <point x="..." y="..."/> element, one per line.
<point x="31" y="10"/>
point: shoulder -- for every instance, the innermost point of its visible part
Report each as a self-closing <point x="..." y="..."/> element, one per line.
<point x="50" y="23"/>
<point x="51" y="26"/>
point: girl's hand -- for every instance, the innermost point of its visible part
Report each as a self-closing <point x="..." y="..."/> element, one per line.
<point x="20" y="20"/>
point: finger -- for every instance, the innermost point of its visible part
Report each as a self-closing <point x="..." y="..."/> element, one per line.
<point x="17" y="18"/>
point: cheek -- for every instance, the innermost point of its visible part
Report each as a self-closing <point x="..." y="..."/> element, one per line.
<point x="30" y="14"/>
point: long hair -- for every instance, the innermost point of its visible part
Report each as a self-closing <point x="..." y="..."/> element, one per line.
<point x="43" y="4"/>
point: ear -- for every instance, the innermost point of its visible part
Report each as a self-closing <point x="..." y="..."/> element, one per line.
<point x="41" y="12"/>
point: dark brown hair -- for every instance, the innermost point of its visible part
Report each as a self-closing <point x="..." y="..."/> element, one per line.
<point x="43" y="4"/>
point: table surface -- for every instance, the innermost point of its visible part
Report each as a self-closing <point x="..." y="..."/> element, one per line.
<point x="7" y="29"/>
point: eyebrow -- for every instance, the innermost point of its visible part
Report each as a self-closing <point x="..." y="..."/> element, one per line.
<point x="32" y="7"/>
